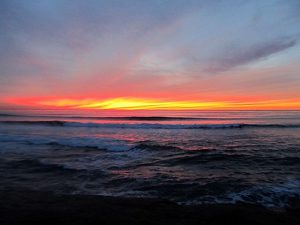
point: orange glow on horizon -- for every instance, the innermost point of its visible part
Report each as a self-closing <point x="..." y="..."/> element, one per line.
<point x="155" y="104"/>
<point x="133" y="104"/>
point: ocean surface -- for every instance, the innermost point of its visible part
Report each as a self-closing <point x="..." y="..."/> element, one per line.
<point x="187" y="157"/>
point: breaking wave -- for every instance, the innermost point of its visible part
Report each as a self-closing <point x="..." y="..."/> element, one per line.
<point x="109" y="144"/>
<point x="59" y="123"/>
<point x="271" y="195"/>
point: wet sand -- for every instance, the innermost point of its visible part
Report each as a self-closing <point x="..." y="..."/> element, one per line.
<point x="30" y="207"/>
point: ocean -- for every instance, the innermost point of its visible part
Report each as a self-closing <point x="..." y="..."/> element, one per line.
<point x="190" y="157"/>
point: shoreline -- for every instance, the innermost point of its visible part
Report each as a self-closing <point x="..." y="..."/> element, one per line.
<point x="36" y="207"/>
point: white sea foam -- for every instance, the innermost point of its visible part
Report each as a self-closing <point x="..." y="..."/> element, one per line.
<point x="147" y="125"/>
<point x="152" y="126"/>
<point x="271" y="196"/>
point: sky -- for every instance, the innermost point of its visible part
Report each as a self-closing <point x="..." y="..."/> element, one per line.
<point x="156" y="54"/>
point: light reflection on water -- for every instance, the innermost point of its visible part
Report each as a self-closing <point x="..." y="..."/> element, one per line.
<point x="185" y="165"/>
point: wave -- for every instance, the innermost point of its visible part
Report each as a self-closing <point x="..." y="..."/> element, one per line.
<point x="35" y="165"/>
<point x="49" y="123"/>
<point x="7" y="115"/>
<point x="155" y="147"/>
<point x="142" y="118"/>
<point x="150" y="125"/>
<point x="108" y="144"/>
<point x="269" y="195"/>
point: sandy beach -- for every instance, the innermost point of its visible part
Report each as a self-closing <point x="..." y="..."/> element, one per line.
<point x="29" y="207"/>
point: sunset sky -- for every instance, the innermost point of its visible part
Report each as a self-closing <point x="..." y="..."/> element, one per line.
<point x="156" y="54"/>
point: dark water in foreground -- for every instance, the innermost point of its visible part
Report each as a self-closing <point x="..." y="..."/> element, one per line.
<point x="192" y="158"/>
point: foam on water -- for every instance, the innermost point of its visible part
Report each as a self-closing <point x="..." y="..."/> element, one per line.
<point x="222" y="157"/>
<point x="150" y="125"/>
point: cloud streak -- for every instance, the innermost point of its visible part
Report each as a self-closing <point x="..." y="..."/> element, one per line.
<point x="241" y="57"/>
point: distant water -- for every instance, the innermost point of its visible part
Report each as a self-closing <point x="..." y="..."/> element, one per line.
<point x="188" y="157"/>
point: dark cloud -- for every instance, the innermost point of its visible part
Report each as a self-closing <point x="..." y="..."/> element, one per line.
<point x="240" y="57"/>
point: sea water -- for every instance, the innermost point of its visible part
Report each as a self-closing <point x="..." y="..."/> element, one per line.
<point x="190" y="157"/>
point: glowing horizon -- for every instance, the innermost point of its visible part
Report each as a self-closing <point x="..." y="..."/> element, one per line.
<point x="155" y="104"/>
